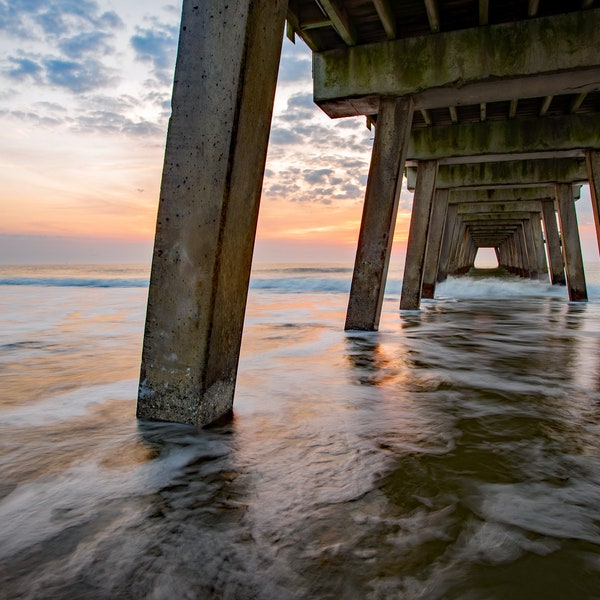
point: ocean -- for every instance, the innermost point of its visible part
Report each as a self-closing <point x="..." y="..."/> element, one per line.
<point x="454" y="454"/>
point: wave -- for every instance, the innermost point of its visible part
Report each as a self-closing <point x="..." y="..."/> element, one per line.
<point x="93" y="282"/>
<point x="300" y="284"/>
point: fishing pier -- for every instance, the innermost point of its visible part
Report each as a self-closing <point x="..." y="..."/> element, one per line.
<point x="491" y="109"/>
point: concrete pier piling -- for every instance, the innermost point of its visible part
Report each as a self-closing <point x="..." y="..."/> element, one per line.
<point x="214" y="162"/>
<point x="418" y="235"/>
<point x="493" y="118"/>
<point x="571" y="243"/>
<point x="379" y="214"/>
<point x="439" y="212"/>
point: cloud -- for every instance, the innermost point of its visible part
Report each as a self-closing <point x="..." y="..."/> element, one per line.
<point x="79" y="76"/>
<point x="35" y="19"/>
<point x="23" y="68"/>
<point x="85" y="43"/>
<point x="157" y="45"/>
<point x="318" y="176"/>
<point x="104" y="121"/>
<point x="295" y="65"/>
<point x="64" y="41"/>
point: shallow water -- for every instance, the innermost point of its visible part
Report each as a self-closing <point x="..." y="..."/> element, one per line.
<point x="453" y="454"/>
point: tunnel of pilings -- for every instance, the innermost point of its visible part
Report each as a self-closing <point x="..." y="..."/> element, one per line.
<point x="491" y="110"/>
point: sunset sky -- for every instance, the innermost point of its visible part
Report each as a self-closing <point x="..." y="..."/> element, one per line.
<point x="84" y="104"/>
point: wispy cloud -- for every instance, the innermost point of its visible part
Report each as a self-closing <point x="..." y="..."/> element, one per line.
<point x="55" y="18"/>
<point x="157" y="45"/>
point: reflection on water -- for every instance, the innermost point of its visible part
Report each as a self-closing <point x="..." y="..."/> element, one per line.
<point x="455" y="454"/>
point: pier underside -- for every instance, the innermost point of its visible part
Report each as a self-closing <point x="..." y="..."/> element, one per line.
<point x="494" y="119"/>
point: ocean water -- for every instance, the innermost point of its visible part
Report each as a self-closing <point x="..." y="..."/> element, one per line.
<point x="454" y="454"/>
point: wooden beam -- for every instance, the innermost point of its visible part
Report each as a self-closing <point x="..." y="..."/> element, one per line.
<point x="387" y="18"/>
<point x="433" y="15"/>
<point x="525" y="59"/>
<point x="512" y="111"/>
<point x="453" y="114"/>
<point x="483" y="111"/>
<point x="340" y="20"/>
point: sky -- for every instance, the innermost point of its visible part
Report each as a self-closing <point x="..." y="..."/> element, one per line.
<point x="84" y="104"/>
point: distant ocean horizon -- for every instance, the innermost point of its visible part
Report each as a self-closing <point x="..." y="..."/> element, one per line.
<point x="453" y="454"/>
<point x="274" y="276"/>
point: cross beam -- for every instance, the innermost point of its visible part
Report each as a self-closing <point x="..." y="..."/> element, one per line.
<point x="523" y="59"/>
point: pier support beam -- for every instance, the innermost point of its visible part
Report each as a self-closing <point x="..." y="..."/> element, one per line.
<point x="214" y="163"/>
<point x="436" y="233"/>
<point x="418" y="234"/>
<point x="379" y="213"/>
<point x="555" y="257"/>
<point x="531" y="251"/>
<point x="593" y="166"/>
<point x="571" y="243"/>
<point x="451" y="214"/>
<point x="538" y="242"/>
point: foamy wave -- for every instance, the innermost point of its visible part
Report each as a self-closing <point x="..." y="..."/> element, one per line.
<point x="301" y="284"/>
<point x="492" y="287"/>
<point x="103" y="282"/>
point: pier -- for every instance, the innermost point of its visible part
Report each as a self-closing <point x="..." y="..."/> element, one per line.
<point x="490" y="109"/>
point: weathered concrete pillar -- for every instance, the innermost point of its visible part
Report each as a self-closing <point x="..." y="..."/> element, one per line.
<point x="379" y="213"/>
<point x="459" y="248"/>
<point x="472" y="253"/>
<point x="555" y="257"/>
<point x="571" y="243"/>
<point x="447" y="242"/>
<point x="538" y="242"/>
<point x="214" y="162"/>
<point x="514" y="252"/>
<point x="531" y="253"/>
<point x="522" y="254"/>
<point x="418" y="233"/>
<point x="434" y="246"/>
<point x="513" y="247"/>
<point x="593" y="167"/>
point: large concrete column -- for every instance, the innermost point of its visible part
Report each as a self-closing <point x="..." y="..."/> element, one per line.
<point x="531" y="252"/>
<point x="522" y="254"/>
<point x="214" y="162"/>
<point x="379" y="213"/>
<point x="593" y="167"/>
<point x="555" y="257"/>
<point x="538" y="242"/>
<point x="571" y="243"/>
<point x="417" y="235"/>
<point x="447" y="242"/>
<point x="458" y="238"/>
<point x="434" y="246"/>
